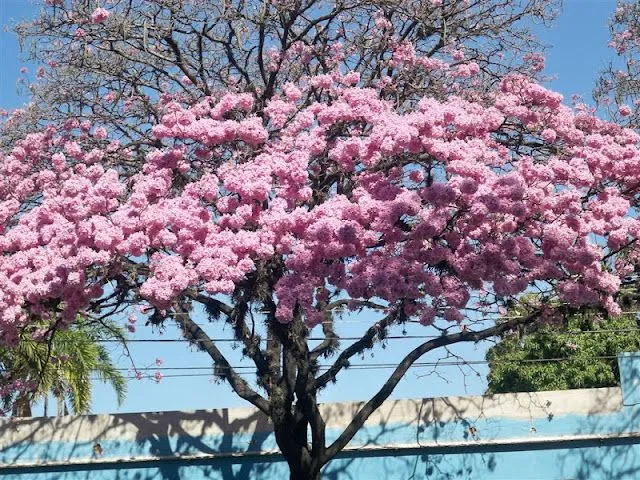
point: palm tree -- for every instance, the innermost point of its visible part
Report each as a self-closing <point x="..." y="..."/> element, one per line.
<point x="63" y="365"/>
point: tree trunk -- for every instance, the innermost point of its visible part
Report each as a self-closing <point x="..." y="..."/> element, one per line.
<point x="302" y="475"/>
<point x="302" y="466"/>
<point x="60" y="402"/>
<point x="22" y="406"/>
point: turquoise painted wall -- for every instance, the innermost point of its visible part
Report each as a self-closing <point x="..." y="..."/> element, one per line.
<point x="580" y="435"/>
<point x="584" y="462"/>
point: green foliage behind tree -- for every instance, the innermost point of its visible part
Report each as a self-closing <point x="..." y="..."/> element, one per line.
<point x="585" y="347"/>
<point x="63" y="366"/>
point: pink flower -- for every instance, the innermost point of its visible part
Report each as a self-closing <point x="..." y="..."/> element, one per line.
<point x="624" y="110"/>
<point x="100" y="133"/>
<point x="458" y="55"/>
<point x="99" y="15"/>
<point x="40" y="334"/>
<point x="292" y="92"/>
<point x="351" y="78"/>
<point x="548" y="135"/>
<point x="428" y="316"/>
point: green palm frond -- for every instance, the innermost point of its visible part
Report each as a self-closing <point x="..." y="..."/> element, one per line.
<point x="65" y="364"/>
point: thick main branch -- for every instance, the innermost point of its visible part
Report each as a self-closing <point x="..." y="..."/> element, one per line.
<point x="364" y="343"/>
<point x="372" y="405"/>
<point x="193" y="332"/>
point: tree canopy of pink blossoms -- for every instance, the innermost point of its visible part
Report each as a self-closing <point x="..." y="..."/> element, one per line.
<point x="345" y="196"/>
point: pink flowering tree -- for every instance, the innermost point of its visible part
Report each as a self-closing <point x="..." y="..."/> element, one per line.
<point x="408" y="187"/>
<point x="618" y="88"/>
<point x="298" y="209"/>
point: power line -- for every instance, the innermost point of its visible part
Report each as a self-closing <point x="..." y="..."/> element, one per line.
<point x="319" y="339"/>
<point x="471" y="320"/>
<point x="233" y="340"/>
<point x="372" y="366"/>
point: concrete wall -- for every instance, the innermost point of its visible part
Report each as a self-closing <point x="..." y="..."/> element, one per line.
<point x="579" y="434"/>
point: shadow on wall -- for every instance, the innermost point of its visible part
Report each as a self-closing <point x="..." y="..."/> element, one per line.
<point x="581" y="435"/>
<point x="149" y="446"/>
<point x="403" y="431"/>
<point x="617" y="458"/>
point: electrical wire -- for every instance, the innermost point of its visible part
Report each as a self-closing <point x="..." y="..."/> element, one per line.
<point x="365" y="366"/>
<point x="478" y="320"/>
<point x="339" y="338"/>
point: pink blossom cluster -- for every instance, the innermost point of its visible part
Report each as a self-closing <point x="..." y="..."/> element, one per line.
<point x="535" y="60"/>
<point x="99" y="15"/>
<point x="10" y="386"/>
<point x="417" y="208"/>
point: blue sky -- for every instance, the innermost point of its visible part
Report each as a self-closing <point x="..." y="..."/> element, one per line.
<point x="578" y="52"/>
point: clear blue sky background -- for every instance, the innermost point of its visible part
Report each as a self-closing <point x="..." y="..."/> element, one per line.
<point x="579" y="51"/>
